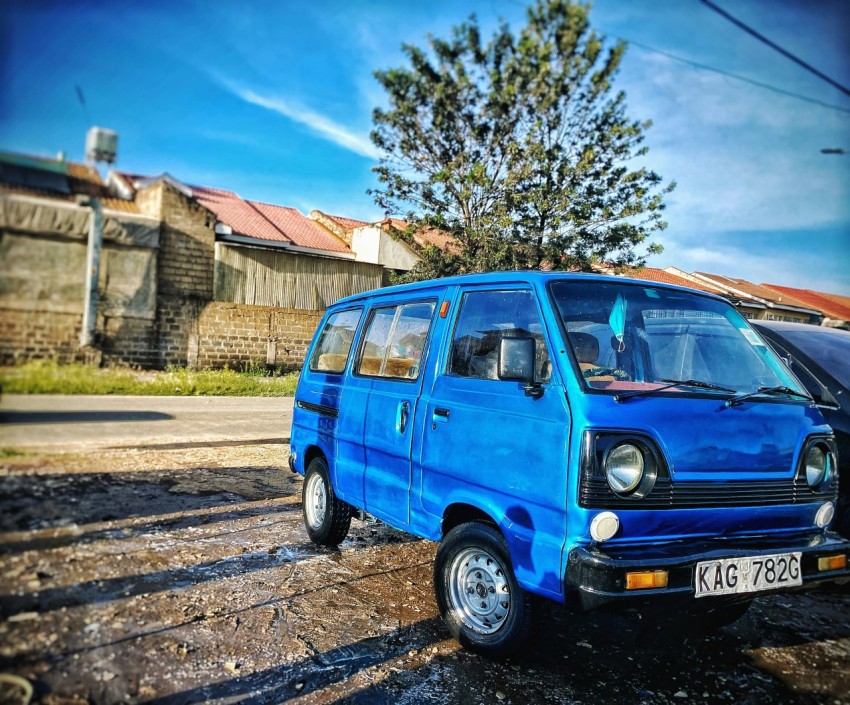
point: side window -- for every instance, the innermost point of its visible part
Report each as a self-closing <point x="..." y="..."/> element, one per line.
<point x="331" y="352"/>
<point x="395" y="341"/>
<point x="485" y="318"/>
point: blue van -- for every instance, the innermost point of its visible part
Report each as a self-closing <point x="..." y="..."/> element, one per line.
<point x="591" y="440"/>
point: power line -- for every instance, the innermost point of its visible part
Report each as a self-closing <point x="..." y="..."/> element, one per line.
<point x="713" y="69"/>
<point x="736" y="76"/>
<point x="774" y="45"/>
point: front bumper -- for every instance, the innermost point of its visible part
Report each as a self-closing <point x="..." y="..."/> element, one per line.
<point x="595" y="577"/>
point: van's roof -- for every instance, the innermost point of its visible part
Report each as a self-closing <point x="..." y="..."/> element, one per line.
<point x="523" y="277"/>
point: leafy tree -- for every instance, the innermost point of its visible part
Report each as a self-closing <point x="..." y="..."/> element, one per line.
<point x="518" y="147"/>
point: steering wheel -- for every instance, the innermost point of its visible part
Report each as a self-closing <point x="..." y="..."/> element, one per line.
<point x="619" y="375"/>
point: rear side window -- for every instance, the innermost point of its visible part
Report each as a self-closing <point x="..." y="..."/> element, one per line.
<point x="485" y="318"/>
<point x="395" y="341"/>
<point x="331" y="352"/>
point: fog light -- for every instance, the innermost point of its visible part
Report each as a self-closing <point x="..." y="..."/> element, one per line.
<point x="824" y="515"/>
<point x="646" y="579"/>
<point x="836" y="562"/>
<point x="604" y="526"/>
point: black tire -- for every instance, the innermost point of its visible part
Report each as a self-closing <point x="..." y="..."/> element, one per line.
<point x="476" y="556"/>
<point x="326" y="518"/>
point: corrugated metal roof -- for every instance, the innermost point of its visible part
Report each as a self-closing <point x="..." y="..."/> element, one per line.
<point x="63" y="181"/>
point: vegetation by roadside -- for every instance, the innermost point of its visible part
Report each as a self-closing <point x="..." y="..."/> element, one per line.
<point x="47" y="377"/>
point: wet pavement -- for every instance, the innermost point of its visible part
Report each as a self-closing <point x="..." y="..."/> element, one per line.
<point x="161" y="574"/>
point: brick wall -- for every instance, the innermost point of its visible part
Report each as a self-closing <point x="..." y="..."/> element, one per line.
<point x="29" y="335"/>
<point x="233" y="334"/>
<point x="186" y="246"/>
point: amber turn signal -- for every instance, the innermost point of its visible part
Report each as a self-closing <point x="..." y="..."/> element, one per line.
<point x="832" y="562"/>
<point x="646" y="579"/>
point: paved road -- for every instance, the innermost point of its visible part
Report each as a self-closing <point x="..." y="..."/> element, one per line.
<point x="86" y="422"/>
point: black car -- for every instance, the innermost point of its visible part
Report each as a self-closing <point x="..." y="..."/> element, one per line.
<point x="820" y="358"/>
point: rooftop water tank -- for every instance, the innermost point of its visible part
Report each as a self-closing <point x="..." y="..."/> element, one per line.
<point x="101" y="145"/>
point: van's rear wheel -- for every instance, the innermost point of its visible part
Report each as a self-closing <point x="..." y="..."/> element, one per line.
<point x="479" y="598"/>
<point x="326" y="518"/>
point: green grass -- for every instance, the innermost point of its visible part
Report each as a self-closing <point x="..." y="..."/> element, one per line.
<point x="47" y="377"/>
<point x="6" y="453"/>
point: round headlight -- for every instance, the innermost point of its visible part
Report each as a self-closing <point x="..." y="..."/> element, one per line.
<point x="816" y="465"/>
<point x="624" y="468"/>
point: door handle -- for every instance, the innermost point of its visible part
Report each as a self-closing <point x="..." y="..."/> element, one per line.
<point x="441" y="415"/>
<point x="402" y="416"/>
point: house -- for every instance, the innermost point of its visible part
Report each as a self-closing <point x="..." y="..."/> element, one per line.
<point x="394" y="244"/>
<point x="751" y="300"/>
<point x="835" y="309"/>
<point x="189" y="275"/>
<point x="662" y="276"/>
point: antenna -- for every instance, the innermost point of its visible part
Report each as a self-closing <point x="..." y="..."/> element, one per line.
<point x="82" y="99"/>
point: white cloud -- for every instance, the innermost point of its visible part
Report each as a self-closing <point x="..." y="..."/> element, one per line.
<point x="804" y="271"/>
<point x="318" y="124"/>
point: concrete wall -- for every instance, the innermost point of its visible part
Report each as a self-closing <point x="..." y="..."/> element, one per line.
<point x="373" y="244"/>
<point x="43" y="256"/>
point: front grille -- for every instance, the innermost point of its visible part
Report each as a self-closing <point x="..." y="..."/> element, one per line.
<point x="595" y="494"/>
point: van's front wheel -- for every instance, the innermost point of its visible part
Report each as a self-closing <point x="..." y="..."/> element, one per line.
<point x="326" y="518"/>
<point x="479" y="598"/>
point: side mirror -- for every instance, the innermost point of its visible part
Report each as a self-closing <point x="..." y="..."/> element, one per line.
<point x="516" y="359"/>
<point x="516" y="362"/>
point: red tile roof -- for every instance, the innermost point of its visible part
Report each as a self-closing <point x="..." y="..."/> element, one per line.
<point x="261" y="221"/>
<point x="239" y="215"/>
<point x="346" y="223"/>
<point x="266" y="221"/>
<point x="302" y="231"/>
<point x="760" y="292"/>
<point x="659" y="275"/>
<point x="423" y="236"/>
<point x="831" y="305"/>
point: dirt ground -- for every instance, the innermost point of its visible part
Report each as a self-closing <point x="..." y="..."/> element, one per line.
<point x="181" y="573"/>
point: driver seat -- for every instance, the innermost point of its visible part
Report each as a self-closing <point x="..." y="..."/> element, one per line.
<point x="586" y="347"/>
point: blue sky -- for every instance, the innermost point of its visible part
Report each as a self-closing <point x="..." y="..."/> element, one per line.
<point x="274" y="99"/>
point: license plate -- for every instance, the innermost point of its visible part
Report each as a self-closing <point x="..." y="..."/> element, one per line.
<point x="730" y="576"/>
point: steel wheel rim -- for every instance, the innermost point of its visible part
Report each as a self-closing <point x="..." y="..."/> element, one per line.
<point x="315" y="501"/>
<point x="479" y="590"/>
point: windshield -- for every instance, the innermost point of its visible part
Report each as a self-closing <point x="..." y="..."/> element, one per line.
<point x="634" y="337"/>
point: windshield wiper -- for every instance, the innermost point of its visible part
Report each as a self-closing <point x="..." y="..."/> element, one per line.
<point x="699" y="384"/>
<point x="767" y="390"/>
